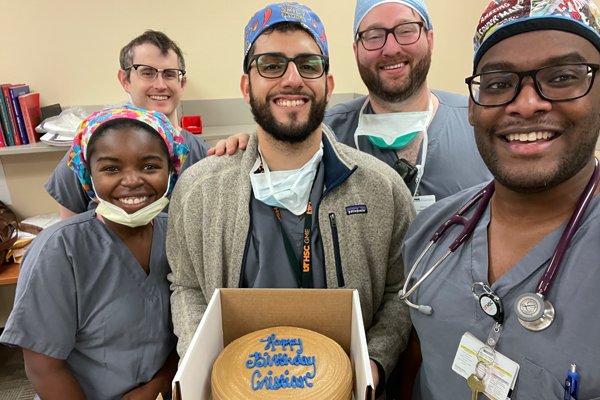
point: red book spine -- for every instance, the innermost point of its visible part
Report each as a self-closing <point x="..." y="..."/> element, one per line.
<point x="11" y="115"/>
<point x="2" y="143"/>
<point x="27" y="120"/>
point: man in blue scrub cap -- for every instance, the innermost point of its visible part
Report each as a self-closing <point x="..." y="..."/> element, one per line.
<point x="402" y="118"/>
<point x="535" y="108"/>
<point x="297" y="209"/>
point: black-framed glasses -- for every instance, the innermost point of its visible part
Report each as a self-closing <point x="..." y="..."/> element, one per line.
<point x="404" y="33"/>
<point x="148" y="73"/>
<point x="553" y="83"/>
<point x="274" y="65"/>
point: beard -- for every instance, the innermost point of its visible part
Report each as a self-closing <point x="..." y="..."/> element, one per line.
<point x="380" y="89"/>
<point x="293" y="131"/>
<point x="571" y="160"/>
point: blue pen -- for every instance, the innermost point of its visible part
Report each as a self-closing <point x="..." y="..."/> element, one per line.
<point x="572" y="383"/>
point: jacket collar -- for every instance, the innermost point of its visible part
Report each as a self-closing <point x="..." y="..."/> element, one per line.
<point x="337" y="167"/>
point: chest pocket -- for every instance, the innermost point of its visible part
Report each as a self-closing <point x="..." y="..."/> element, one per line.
<point x="535" y="382"/>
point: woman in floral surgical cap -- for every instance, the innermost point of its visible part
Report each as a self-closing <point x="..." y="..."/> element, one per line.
<point x="92" y="310"/>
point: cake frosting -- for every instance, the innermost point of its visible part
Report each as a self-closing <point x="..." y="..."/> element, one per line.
<point x="282" y="363"/>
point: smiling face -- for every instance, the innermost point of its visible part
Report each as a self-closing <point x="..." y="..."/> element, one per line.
<point x="531" y="144"/>
<point x="289" y="108"/>
<point x="129" y="168"/>
<point x="395" y="72"/>
<point x="156" y="95"/>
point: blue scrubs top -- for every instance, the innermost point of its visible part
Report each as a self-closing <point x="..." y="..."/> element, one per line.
<point x="544" y="357"/>
<point x="83" y="297"/>
<point x="453" y="162"/>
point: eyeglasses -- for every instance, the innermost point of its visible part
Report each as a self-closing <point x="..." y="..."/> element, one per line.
<point x="149" y="73"/>
<point x="405" y="33"/>
<point x="554" y="83"/>
<point x="274" y="65"/>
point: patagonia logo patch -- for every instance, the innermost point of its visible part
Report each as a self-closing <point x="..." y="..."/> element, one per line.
<point x="356" y="210"/>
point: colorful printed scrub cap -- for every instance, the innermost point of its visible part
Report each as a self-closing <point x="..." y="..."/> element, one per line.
<point x="505" y="18"/>
<point x="178" y="149"/>
<point x="363" y="7"/>
<point x="284" y="12"/>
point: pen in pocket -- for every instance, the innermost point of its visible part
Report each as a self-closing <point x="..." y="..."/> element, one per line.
<point x="572" y="383"/>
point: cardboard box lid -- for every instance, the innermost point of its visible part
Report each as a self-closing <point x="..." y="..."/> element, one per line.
<point x="245" y="311"/>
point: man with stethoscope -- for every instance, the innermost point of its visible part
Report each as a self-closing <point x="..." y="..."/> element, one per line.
<point x="512" y="311"/>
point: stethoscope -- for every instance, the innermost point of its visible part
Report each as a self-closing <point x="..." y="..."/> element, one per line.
<point x="534" y="310"/>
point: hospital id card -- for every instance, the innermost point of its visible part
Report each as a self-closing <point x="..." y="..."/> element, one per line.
<point x="501" y="376"/>
<point x="422" y="202"/>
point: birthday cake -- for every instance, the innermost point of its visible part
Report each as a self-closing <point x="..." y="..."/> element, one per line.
<point x="282" y="363"/>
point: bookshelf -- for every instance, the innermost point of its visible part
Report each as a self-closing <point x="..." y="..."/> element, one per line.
<point x="38" y="147"/>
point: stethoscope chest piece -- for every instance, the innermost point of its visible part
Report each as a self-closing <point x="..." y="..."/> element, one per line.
<point x="534" y="312"/>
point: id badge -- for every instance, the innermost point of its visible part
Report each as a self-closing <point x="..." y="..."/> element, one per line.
<point x="502" y="372"/>
<point x="422" y="202"/>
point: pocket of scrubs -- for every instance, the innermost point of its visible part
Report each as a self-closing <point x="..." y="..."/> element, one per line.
<point x="535" y="382"/>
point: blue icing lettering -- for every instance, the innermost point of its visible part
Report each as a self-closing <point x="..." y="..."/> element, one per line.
<point x="271" y="342"/>
<point x="270" y="382"/>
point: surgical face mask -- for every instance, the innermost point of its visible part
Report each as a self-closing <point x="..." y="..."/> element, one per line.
<point x="393" y="130"/>
<point x="285" y="189"/>
<point x="139" y="218"/>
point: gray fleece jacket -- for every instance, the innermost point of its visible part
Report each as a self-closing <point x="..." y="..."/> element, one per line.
<point x="209" y="221"/>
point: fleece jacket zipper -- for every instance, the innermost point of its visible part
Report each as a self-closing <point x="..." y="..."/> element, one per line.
<point x="336" y="250"/>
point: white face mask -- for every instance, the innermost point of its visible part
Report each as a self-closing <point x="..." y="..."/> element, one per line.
<point x="392" y="130"/>
<point x="139" y="218"/>
<point x="285" y="189"/>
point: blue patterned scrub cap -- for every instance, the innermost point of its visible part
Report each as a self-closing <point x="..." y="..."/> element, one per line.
<point x="505" y="18"/>
<point x="364" y="6"/>
<point x="284" y="12"/>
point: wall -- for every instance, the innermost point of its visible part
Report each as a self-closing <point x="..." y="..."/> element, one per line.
<point x="68" y="50"/>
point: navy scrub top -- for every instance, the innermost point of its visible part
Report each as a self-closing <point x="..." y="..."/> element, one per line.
<point x="83" y="297"/>
<point x="266" y="262"/>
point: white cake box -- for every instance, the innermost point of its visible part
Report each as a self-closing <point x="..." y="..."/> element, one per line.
<point x="233" y="313"/>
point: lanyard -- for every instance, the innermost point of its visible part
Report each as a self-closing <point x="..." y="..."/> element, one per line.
<point x="304" y="275"/>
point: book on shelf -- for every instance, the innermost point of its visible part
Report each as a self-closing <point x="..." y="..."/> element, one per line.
<point x="15" y="92"/>
<point x="30" y="107"/>
<point x="2" y="140"/>
<point x="5" y="122"/>
<point x="11" y="114"/>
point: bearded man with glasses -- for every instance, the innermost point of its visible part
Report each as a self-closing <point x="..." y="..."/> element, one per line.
<point x="423" y="134"/>
<point x="152" y="74"/>
<point x="297" y="209"/>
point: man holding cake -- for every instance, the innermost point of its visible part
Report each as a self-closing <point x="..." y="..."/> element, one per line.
<point x="297" y="209"/>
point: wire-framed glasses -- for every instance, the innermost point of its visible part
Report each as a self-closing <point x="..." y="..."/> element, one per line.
<point x="148" y="73"/>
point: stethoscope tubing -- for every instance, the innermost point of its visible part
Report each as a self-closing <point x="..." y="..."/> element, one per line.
<point x="484" y="197"/>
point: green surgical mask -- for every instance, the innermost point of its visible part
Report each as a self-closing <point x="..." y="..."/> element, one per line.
<point x="392" y="130"/>
<point x="399" y="143"/>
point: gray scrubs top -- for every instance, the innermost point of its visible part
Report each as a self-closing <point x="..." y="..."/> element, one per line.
<point x="544" y="357"/>
<point x="453" y="162"/>
<point x="65" y="188"/>
<point x="82" y="297"/>
<point x="267" y="264"/>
